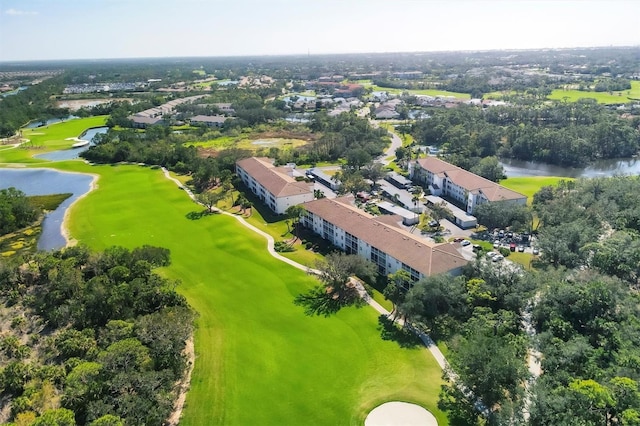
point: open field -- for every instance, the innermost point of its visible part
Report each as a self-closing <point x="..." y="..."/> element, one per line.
<point x="49" y="138"/>
<point x="622" y="96"/>
<point x="226" y="142"/>
<point x="430" y="92"/>
<point x="260" y="360"/>
<point x="529" y="185"/>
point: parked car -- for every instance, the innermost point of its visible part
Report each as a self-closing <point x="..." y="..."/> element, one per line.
<point x="496" y="244"/>
<point x="465" y="243"/>
<point x="492" y="254"/>
<point x="497" y="258"/>
<point x="521" y="248"/>
<point x="536" y="251"/>
<point x="512" y="246"/>
<point x="477" y="247"/>
<point x="433" y="223"/>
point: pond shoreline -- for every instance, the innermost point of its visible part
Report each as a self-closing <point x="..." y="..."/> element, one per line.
<point x="64" y="229"/>
<point x="55" y="232"/>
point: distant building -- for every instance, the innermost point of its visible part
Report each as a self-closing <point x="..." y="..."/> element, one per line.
<point x="143" y="121"/>
<point x="155" y="115"/>
<point x="210" y="120"/>
<point x="380" y="239"/>
<point x="408" y="75"/>
<point x="275" y="186"/>
<point x="466" y="188"/>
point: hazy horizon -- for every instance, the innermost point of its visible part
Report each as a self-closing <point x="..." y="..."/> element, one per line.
<point x="45" y="30"/>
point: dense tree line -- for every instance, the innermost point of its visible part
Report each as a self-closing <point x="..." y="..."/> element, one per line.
<point x="344" y="136"/>
<point x="159" y="146"/>
<point x="592" y="223"/>
<point x="16" y="211"/>
<point x="568" y="134"/>
<point x="590" y="337"/>
<point x="33" y="103"/>
<point x="96" y="337"/>
<point x="479" y="316"/>
<point x="584" y="317"/>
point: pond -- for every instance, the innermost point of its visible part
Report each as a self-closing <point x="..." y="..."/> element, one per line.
<point x="36" y="124"/>
<point x="612" y="167"/>
<point x="73" y="153"/>
<point x="43" y="182"/>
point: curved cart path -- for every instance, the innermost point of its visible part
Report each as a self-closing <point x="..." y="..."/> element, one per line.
<point x="428" y="342"/>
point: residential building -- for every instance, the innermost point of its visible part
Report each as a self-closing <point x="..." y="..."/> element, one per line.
<point x="155" y="115"/>
<point x="381" y="239"/>
<point x="275" y="186"/>
<point x="461" y="186"/>
<point x="210" y="120"/>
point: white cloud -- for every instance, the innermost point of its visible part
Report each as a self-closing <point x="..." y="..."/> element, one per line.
<point x="16" y="12"/>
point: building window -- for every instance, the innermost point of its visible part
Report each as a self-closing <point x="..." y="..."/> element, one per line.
<point x="379" y="258"/>
<point x="350" y="244"/>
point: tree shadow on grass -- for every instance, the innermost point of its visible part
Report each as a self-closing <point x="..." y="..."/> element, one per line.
<point x="389" y="330"/>
<point x="199" y="215"/>
<point x="319" y="301"/>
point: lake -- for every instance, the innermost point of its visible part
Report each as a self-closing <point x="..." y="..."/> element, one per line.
<point x="43" y="182"/>
<point x="73" y="153"/>
<point x="600" y="168"/>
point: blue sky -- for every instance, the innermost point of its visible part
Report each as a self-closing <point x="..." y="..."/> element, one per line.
<point x="84" y="29"/>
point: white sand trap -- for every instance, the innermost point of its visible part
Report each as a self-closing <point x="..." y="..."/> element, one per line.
<point x="400" y="414"/>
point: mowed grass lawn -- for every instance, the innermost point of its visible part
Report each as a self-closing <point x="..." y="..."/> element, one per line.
<point x="259" y="359"/>
<point x="619" y="97"/>
<point x="529" y="185"/>
<point x="49" y="138"/>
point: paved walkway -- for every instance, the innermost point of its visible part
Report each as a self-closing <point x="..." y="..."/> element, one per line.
<point x="390" y="153"/>
<point x="428" y="342"/>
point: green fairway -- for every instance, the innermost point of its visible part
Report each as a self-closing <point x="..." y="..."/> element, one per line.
<point x="259" y="359"/>
<point x="622" y="96"/>
<point x="430" y="92"/>
<point x="529" y="185"/>
<point x="49" y="138"/>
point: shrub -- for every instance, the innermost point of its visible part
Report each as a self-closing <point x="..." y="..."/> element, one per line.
<point x="282" y="247"/>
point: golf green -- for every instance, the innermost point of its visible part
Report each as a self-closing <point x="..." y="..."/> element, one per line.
<point x="259" y="358"/>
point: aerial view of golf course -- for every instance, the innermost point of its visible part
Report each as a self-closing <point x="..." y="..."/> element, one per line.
<point x="259" y="359"/>
<point x="295" y="237"/>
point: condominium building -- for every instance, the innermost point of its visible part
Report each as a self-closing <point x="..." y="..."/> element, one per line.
<point x="462" y="186"/>
<point x="275" y="186"/>
<point x="380" y="239"/>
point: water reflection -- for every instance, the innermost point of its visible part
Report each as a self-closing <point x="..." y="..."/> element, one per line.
<point x="600" y="168"/>
<point x="43" y="182"/>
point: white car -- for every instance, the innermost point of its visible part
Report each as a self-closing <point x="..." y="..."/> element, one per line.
<point x="497" y="257"/>
<point x="496" y="244"/>
<point x="492" y="254"/>
<point x="465" y="243"/>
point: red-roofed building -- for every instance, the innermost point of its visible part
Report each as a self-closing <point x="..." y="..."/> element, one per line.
<point x="380" y="239"/>
<point x="468" y="189"/>
<point x="275" y="186"/>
